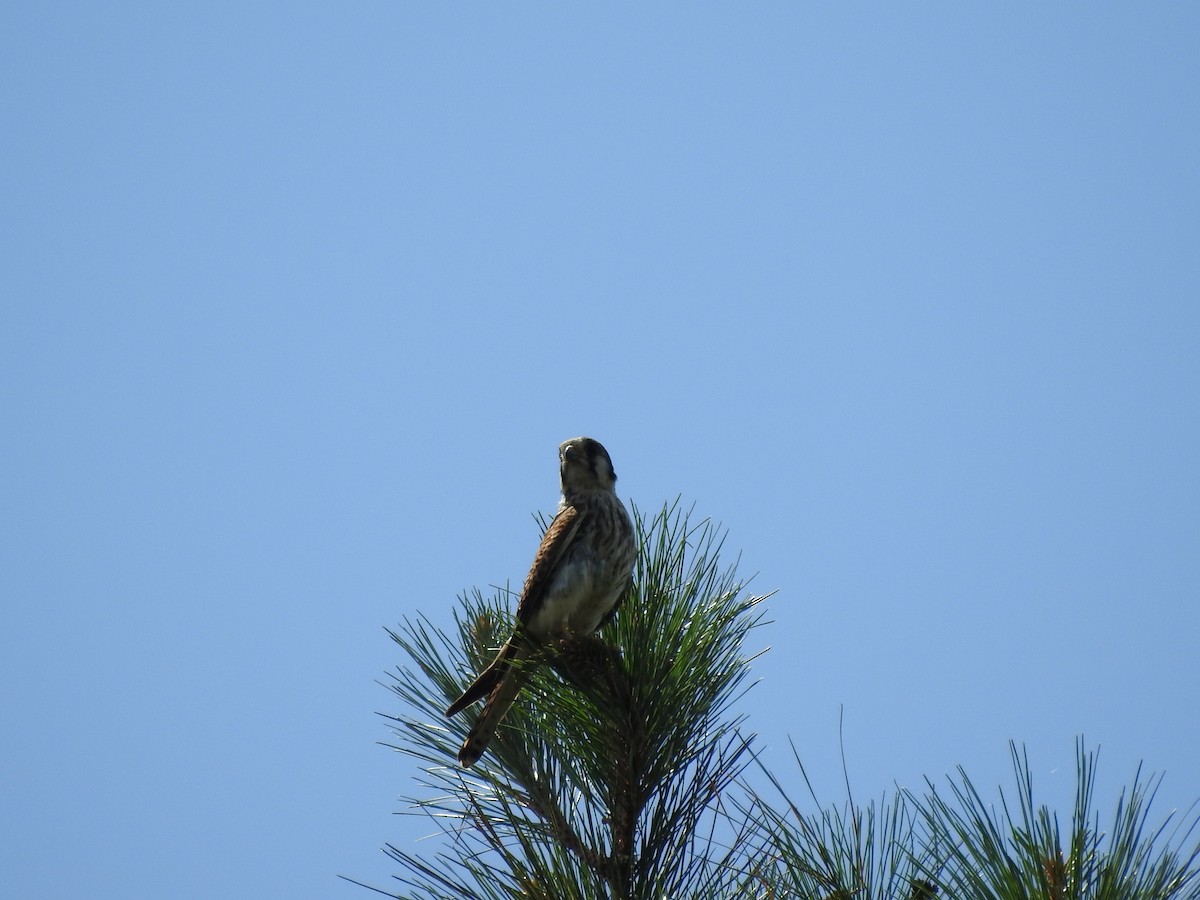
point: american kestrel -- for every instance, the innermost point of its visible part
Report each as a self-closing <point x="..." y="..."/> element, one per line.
<point x="578" y="577"/>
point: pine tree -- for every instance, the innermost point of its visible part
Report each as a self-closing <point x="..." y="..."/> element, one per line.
<point x="606" y="779"/>
<point x="1020" y="851"/>
<point x="624" y="773"/>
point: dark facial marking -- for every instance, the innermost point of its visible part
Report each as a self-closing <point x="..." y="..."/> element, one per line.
<point x="596" y="452"/>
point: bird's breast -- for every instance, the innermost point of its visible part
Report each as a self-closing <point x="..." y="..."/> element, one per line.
<point x="580" y="595"/>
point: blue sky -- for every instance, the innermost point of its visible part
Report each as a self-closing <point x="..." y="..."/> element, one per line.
<point x="301" y="298"/>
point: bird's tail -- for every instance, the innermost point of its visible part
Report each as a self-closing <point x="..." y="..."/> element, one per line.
<point x="501" y="700"/>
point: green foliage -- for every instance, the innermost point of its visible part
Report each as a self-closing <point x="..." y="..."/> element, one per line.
<point x="1014" y="854"/>
<point x="863" y="852"/>
<point x="959" y="847"/>
<point x="623" y="773"/>
<point x="605" y="779"/>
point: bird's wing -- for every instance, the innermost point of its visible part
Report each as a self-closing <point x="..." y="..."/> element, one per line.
<point x="487" y="680"/>
<point x="554" y="544"/>
<point x="558" y="538"/>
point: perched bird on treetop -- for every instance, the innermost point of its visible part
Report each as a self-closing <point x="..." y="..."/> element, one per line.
<point x="579" y="575"/>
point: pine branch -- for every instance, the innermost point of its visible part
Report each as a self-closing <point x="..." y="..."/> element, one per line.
<point x="1019" y="851"/>
<point x="621" y="774"/>
<point x="599" y="779"/>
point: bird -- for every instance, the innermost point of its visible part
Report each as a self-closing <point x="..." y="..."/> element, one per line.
<point x="579" y="576"/>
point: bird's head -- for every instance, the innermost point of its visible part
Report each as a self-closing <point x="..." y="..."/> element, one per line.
<point x="585" y="466"/>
